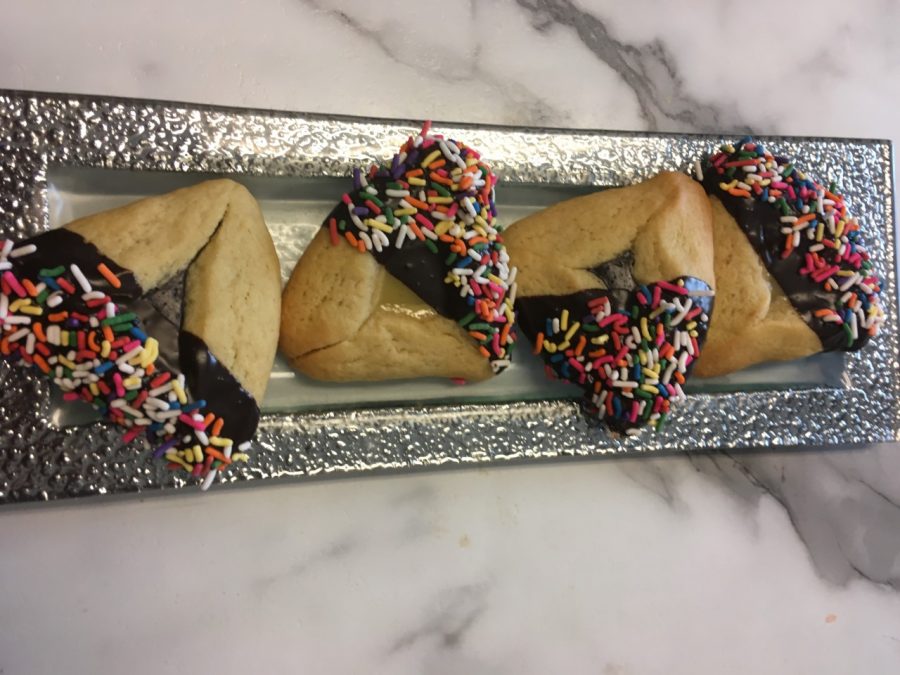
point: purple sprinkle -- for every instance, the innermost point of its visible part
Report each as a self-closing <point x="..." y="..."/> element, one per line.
<point x="357" y="183"/>
<point x="361" y="211"/>
<point x="161" y="450"/>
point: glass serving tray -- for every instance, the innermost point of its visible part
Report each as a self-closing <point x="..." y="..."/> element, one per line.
<point x="69" y="156"/>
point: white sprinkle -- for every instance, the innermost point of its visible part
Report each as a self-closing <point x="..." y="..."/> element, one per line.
<point x="397" y="193"/>
<point x="18" y="335"/>
<point x="633" y="431"/>
<point x="4" y="305"/>
<point x="367" y="240"/>
<point x="244" y="447"/>
<point x="208" y="481"/>
<point x="854" y="329"/>
<point x="93" y="295"/>
<point x="7" y="247"/>
<point x="201" y="436"/>
<point x="630" y="384"/>
<point x="698" y="170"/>
<point x="80" y="278"/>
<point x="682" y="362"/>
<point x="162" y="389"/>
<point x="5" y="265"/>
<point x="110" y="309"/>
<point x="28" y="249"/>
<point x="19" y="320"/>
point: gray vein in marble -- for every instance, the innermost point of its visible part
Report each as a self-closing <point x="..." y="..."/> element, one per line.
<point x="530" y="108"/>
<point x="649" y="70"/>
<point x="453" y="615"/>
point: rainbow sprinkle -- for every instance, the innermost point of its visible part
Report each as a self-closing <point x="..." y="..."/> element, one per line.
<point x="816" y="230"/>
<point x="94" y="350"/>
<point x="630" y="357"/>
<point x="437" y="196"/>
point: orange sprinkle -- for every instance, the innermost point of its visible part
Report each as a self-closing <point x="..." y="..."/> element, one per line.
<point x="414" y="173"/>
<point x="734" y="192"/>
<point x="465" y="183"/>
<point x="438" y="178"/>
<point x="92" y="341"/>
<point x="477" y="240"/>
<point x="108" y="334"/>
<point x="30" y="288"/>
<point x="361" y="246"/>
<point x="437" y="164"/>
<point x="38" y="331"/>
<point x="150" y="369"/>
<point x="484" y="352"/>
<point x="679" y="377"/>
<point x="217" y="427"/>
<point x="478" y="336"/>
<point x="415" y="229"/>
<point x="109" y="276"/>
<point x="412" y="201"/>
<point x="208" y="419"/>
<point x="446" y="238"/>
<point x="538" y="344"/>
<point x="353" y="240"/>
<point x="597" y="353"/>
<point x="212" y="452"/>
<point x="832" y="197"/>
<point x="4" y="347"/>
<point x="805" y="218"/>
<point x="57" y="317"/>
<point x="822" y="312"/>
<point x="582" y="341"/>
<point x="504" y="334"/>
<point x="39" y="360"/>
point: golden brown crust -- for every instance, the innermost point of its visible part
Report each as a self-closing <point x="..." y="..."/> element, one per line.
<point x="753" y="320"/>
<point x="665" y="221"/>
<point x="233" y="287"/>
<point x="345" y="318"/>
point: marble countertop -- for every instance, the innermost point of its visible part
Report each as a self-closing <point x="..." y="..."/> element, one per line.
<point x="724" y="563"/>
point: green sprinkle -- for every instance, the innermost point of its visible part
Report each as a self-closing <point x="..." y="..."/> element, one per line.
<point x="480" y="326"/>
<point x="466" y="319"/>
<point x="127" y="317"/>
<point x="122" y="328"/>
<point x="374" y="200"/>
<point x="342" y="225"/>
<point x="42" y="296"/>
<point x="440" y="189"/>
<point x="430" y="245"/>
<point x="661" y="421"/>
<point x="389" y="214"/>
<point x="640" y="393"/>
<point x="131" y="395"/>
<point x="788" y="170"/>
<point x="52" y="271"/>
<point x="450" y="259"/>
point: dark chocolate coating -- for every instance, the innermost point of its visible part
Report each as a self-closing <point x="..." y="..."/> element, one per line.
<point x="760" y="222"/>
<point x="205" y="376"/>
<point x="420" y="270"/>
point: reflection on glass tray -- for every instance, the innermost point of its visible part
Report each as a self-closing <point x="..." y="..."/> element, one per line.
<point x="294" y="208"/>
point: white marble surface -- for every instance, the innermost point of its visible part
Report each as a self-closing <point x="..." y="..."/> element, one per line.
<point x="769" y="562"/>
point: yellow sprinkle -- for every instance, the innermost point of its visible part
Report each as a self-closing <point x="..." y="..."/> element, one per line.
<point x="644" y="330"/>
<point x="240" y="457"/>
<point x="650" y="373"/>
<point x="642" y="355"/>
<point x="481" y="221"/>
<point x="68" y="364"/>
<point x="189" y="455"/>
<point x="440" y="200"/>
<point x="549" y="347"/>
<point x="656" y="312"/>
<point x="692" y="325"/>
<point x="130" y="382"/>
<point x="95" y="390"/>
<point x="179" y="392"/>
<point x="564" y="345"/>
<point x="497" y="280"/>
<point x="649" y="387"/>
<point x="64" y="337"/>
<point x="509" y="314"/>
<point x="574" y="327"/>
<point x="21" y="302"/>
<point x="846" y="273"/>
<point x="471" y="161"/>
<point x="600" y="340"/>
<point x="416" y="181"/>
<point x="820" y="231"/>
<point x="727" y="186"/>
<point x="135" y="360"/>
<point x="839" y="229"/>
<point x="172" y="457"/>
<point x="378" y="225"/>
<point x="198" y="454"/>
<point x="564" y="319"/>
<point x="150" y="352"/>
<point x="405" y="212"/>
<point x="220" y="442"/>
<point x="105" y="348"/>
<point x="443" y="227"/>
<point x="429" y="158"/>
<point x="31" y="309"/>
<point x="693" y="333"/>
<point x="480" y="230"/>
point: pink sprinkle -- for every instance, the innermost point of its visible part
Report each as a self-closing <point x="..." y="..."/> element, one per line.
<point x="660" y="338"/>
<point x="672" y="287"/>
<point x="131" y="345"/>
<point x="641" y="299"/>
<point x="190" y="421"/>
<point x="791" y="192"/>
<point x="495" y="343"/>
<point x="196" y="470"/>
<point x="634" y="411"/>
<point x="693" y="313"/>
<point x="131" y="434"/>
<point x="476" y="289"/>
<point x="70" y="396"/>
<point x="120" y="389"/>
<point x="346" y="199"/>
<point x="612" y="318"/>
<point x="14" y="284"/>
<point x="778" y="185"/>
<point x="621" y="354"/>
<point x="718" y="159"/>
<point x="424" y="222"/>
<point x="575" y="364"/>
<point x="658" y="405"/>
<point x="600" y="361"/>
<point x="452" y="210"/>
<point x="657" y="295"/>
